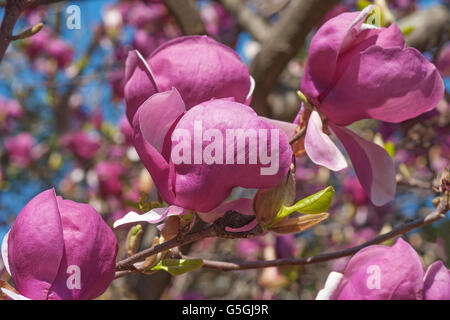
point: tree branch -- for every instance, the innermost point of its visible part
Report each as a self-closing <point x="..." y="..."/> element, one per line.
<point x="186" y="15"/>
<point x="217" y="229"/>
<point x="247" y="20"/>
<point x="429" y="27"/>
<point x="436" y="215"/>
<point x="62" y="105"/>
<point x="13" y="10"/>
<point x="413" y="182"/>
<point x="125" y="267"/>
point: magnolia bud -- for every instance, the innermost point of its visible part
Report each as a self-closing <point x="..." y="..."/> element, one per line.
<point x="60" y="249"/>
<point x="295" y="225"/>
<point x="267" y="202"/>
<point x="134" y="239"/>
<point x="171" y="227"/>
<point x="147" y="265"/>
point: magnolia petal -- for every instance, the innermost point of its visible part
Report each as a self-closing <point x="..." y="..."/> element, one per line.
<point x="35" y="254"/>
<point x="437" y="282"/>
<point x="153" y="160"/>
<point x="390" y="84"/>
<point x="373" y="166"/>
<point x="355" y="263"/>
<point x="165" y="105"/>
<point x="13" y="295"/>
<point x="243" y="206"/>
<point x="201" y="69"/>
<point x="319" y="147"/>
<point x="330" y="286"/>
<point x="196" y="183"/>
<point x="139" y="83"/>
<point x="299" y="224"/>
<point x="330" y="40"/>
<point x="154" y="216"/>
<point x="5" y="253"/>
<point x="382" y="273"/>
<point x="287" y="127"/>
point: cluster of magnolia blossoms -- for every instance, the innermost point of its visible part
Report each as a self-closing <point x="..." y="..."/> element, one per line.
<point x="388" y="273"/>
<point x="195" y="87"/>
<point x="191" y="125"/>
<point x="59" y="249"/>
<point x="188" y="103"/>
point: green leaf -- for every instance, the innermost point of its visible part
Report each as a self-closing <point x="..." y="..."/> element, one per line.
<point x="178" y="266"/>
<point x="390" y="148"/>
<point x="314" y="204"/>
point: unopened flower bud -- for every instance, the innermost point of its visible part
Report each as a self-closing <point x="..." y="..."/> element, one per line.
<point x="267" y="202"/>
<point x="134" y="239"/>
<point x="299" y="224"/>
<point x="59" y="249"/>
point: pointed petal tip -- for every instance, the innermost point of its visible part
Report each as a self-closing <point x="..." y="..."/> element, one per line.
<point x="331" y="284"/>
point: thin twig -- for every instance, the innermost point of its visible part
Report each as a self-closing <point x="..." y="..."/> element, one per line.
<point x="127" y="264"/>
<point x="298" y="136"/>
<point x="13" y="10"/>
<point x="436" y="215"/>
<point x="218" y="229"/>
<point x="414" y="183"/>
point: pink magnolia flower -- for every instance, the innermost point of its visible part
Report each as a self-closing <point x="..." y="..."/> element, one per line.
<point x="199" y="67"/>
<point x="219" y="23"/>
<point x="388" y="273"/>
<point x="115" y="80"/>
<point x="44" y="43"/>
<point x="82" y="144"/>
<point x="126" y="129"/>
<point x="357" y="71"/>
<point x="59" y="249"/>
<point x="109" y="177"/>
<point x="143" y="15"/>
<point x="353" y="187"/>
<point x="285" y="246"/>
<point x="249" y="249"/>
<point x="20" y="149"/>
<point x="206" y="172"/>
<point x="10" y="111"/>
<point x="97" y="118"/>
<point x="146" y="43"/>
<point x="437" y="282"/>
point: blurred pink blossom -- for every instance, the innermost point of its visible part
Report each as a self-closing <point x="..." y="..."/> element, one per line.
<point x="19" y="149"/>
